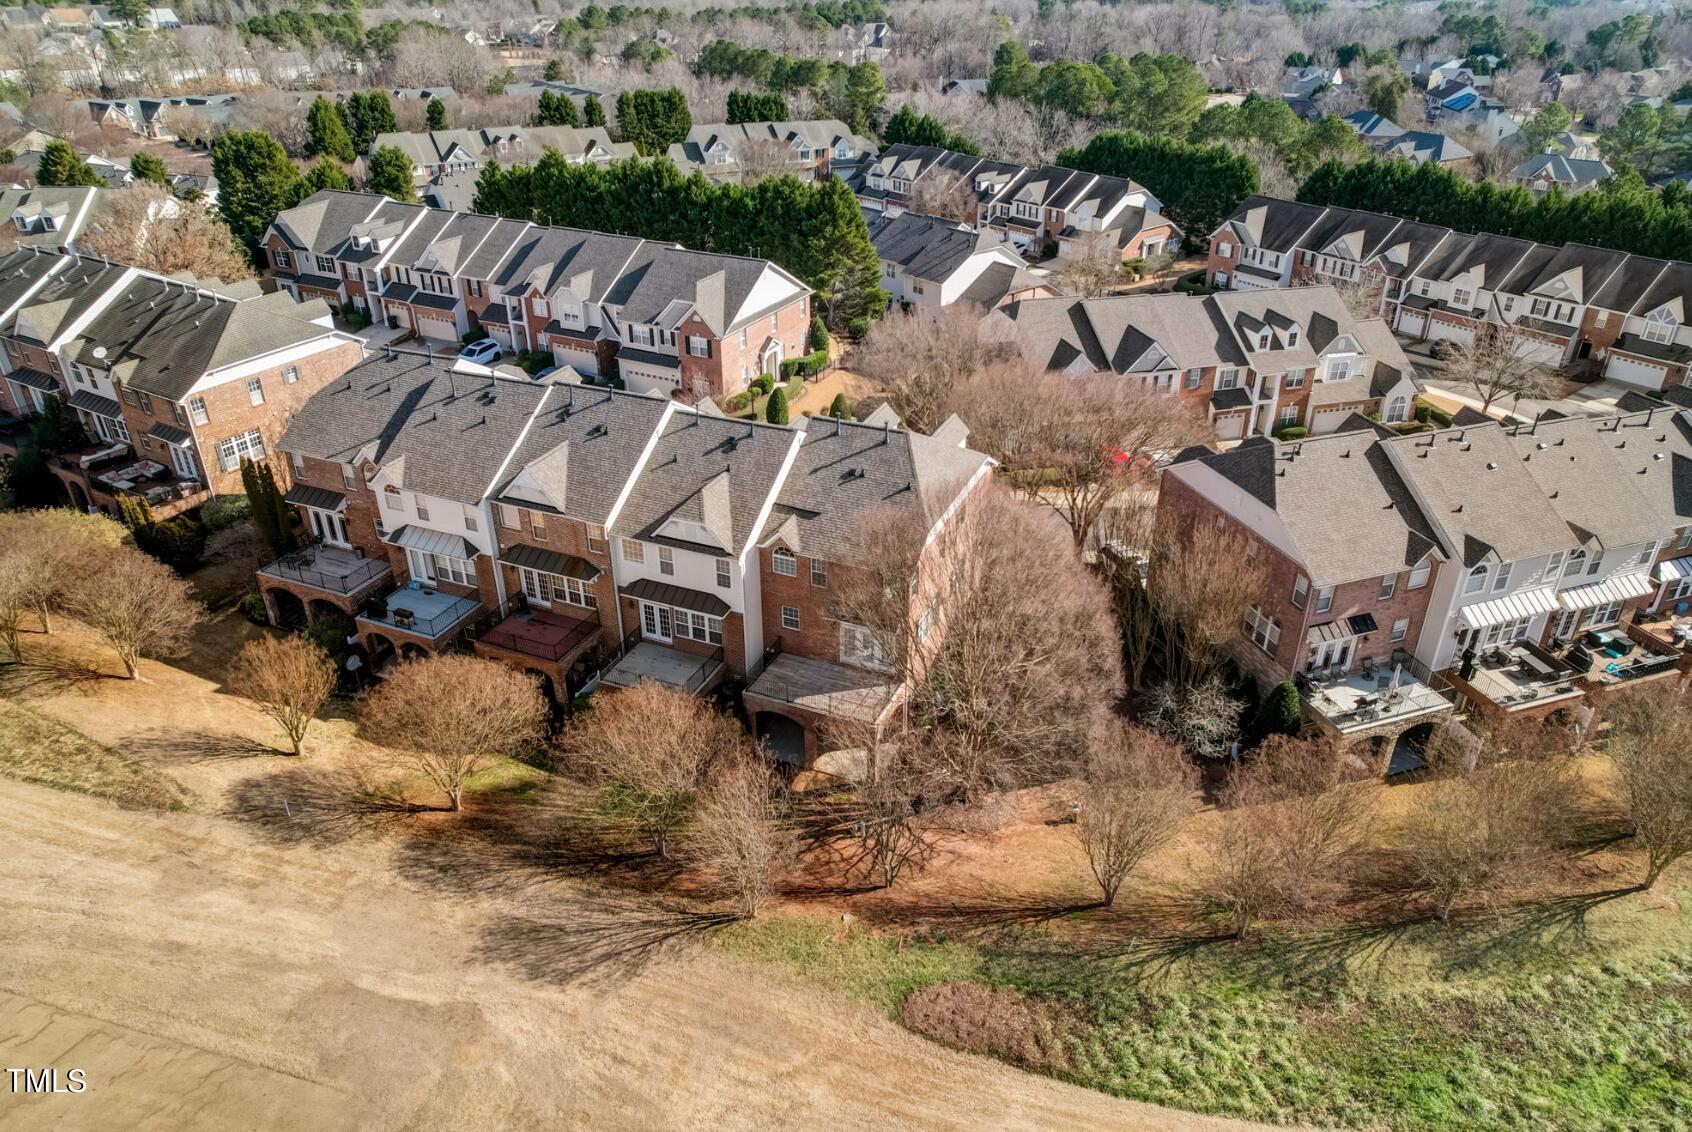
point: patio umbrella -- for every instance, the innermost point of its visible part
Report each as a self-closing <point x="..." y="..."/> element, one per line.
<point x="1397" y="674"/>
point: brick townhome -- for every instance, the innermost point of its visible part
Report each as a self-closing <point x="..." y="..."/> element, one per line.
<point x="1027" y="207"/>
<point x="1544" y="559"/>
<point x="1627" y="313"/>
<point x="1254" y="361"/>
<point x="684" y="323"/>
<point x="592" y="536"/>
<point x="175" y="381"/>
<point x="815" y="148"/>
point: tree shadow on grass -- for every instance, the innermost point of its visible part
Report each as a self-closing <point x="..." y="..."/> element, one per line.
<point x="1500" y="940"/>
<point x="166" y="746"/>
<point x="35" y="679"/>
<point x="596" y="937"/>
<point x="318" y="805"/>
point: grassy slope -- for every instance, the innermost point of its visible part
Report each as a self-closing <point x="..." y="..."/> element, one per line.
<point x="1572" y="1017"/>
<point x="35" y="748"/>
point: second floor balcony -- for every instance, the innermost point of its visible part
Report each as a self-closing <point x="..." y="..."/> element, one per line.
<point x="421" y="611"/>
<point x="542" y="634"/>
<point x="329" y="568"/>
<point x="1374" y="697"/>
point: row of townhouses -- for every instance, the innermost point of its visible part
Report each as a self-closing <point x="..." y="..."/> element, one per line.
<point x="1502" y="569"/>
<point x="656" y="315"/>
<point x="589" y="535"/>
<point x="1031" y="208"/>
<point x="1255" y="362"/>
<point x="1627" y="313"/>
<point x="436" y="153"/>
<point x="814" y="148"/>
<point x="175" y="380"/>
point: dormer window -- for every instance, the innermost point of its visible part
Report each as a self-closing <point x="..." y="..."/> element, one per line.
<point x="1263" y="339"/>
<point x="1659" y="326"/>
<point x="1476" y="581"/>
<point x="1292" y="337"/>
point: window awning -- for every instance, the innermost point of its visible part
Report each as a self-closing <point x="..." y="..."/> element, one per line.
<point x="1331" y="631"/>
<point x="1529" y="603"/>
<point x="170" y="434"/>
<point x="662" y="593"/>
<point x="433" y="542"/>
<point x="550" y="562"/>
<point x="35" y="379"/>
<point x="1619" y="588"/>
<point x="1674" y="569"/>
<point x="96" y="404"/>
<point x="320" y="498"/>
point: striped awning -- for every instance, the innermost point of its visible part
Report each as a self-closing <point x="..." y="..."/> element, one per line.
<point x="96" y="404"/>
<point x="1610" y="590"/>
<point x="1674" y="569"/>
<point x="1529" y="603"/>
<point x="433" y="542"/>
<point x="1330" y="631"/>
<point x="35" y="379"/>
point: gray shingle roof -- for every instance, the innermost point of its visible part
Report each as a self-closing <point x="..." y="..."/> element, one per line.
<point x="928" y="247"/>
<point x="847" y="473"/>
<point x="452" y="430"/>
<point x="70" y="291"/>
<point x="1622" y="479"/>
<point x="1348" y="514"/>
<point x="681" y="478"/>
<point x="597" y="435"/>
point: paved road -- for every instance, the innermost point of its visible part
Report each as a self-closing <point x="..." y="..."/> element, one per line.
<point x="215" y="974"/>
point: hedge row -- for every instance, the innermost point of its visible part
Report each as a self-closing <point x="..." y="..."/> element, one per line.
<point x="806" y="365"/>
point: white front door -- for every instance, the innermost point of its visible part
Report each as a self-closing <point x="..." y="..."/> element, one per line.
<point x="771" y="363"/>
<point x="1330" y="653"/>
<point x="328" y="526"/>
<point x="183" y="461"/>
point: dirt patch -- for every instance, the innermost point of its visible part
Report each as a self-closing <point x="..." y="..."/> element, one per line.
<point x="35" y="748"/>
<point x="993" y="1020"/>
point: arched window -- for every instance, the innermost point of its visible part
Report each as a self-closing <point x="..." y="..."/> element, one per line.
<point x="1575" y="564"/>
<point x="1476" y="581"/>
<point x="784" y="563"/>
<point x="1396" y="409"/>
<point x="391" y="495"/>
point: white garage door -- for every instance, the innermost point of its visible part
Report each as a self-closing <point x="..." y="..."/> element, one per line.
<point x="1411" y="322"/>
<point x="1438" y="329"/>
<point x="1231" y="426"/>
<point x="1541" y="351"/>
<point x="1635" y="372"/>
<point x="1327" y="420"/>
<point x="439" y="328"/>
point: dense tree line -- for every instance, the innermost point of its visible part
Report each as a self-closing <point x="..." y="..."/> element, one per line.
<point x="1623" y="213"/>
<point x="556" y="110"/>
<point x="907" y="127"/>
<point x="816" y="231"/>
<point x="755" y="106"/>
<point x="854" y="93"/>
<point x="653" y="120"/>
<point x="1199" y="185"/>
<point x="1158" y="94"/>
<point x="1302" y="145"/>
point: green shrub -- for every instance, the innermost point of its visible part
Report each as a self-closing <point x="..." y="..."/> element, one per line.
<point x="789" y="368"/>
<point x="1429" y="413"/>
<point x="475" y="335"/>
<point x="225" y="511"/>
<point x="1280" y="713"/>
<point x="775" y="409"/>
<point x="1291" y="432"/>
<point x="329" y="632"/>
<point x="251" y="606"/>
<point x="1193" y="284"/>
<point x="858" y="327"/>
<point x="179" y="543"/>
<point x="533" y="361"/>
<point x="739" y="402"/>
<point x="762" y="384"/>
<point x="819" y="334"/>
<point x="839" y="409"/>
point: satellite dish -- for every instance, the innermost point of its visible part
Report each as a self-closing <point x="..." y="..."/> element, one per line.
<point x="100" y="352"/>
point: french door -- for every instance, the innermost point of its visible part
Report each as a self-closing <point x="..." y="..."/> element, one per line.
<point x="655" y="622"/>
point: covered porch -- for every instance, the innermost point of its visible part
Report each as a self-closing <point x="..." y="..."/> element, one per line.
<point x="795" y="697"/>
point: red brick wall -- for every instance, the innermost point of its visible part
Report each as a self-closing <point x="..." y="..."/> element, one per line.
<point x="566" y="536"/>
<point x="1218" y="262"/>
<point x="818" y="637"/>
<point x="721" y="372"/>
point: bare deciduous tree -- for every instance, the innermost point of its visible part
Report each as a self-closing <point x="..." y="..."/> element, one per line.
<point x="1000" y="635"/>
<point x="450" y="716"/>
<point x="1141" y="789"/>
<point x="944" y="193"/>
<point x="920" y="356"/>
<point x="1485" y="821"/>
<point x="649" y="749"/>
<point x="42" y="555"/>
<point x="1362" y="297"/>
<point x="1499" y="363"/>
<point x="137" y="605"/>
<point x="146" y="227"/>
<point x="762" y="157"/>
<point x="1291" y="834"/>
<point x="1074" y="443"/>
<point x="1091" y="267"/>
<point x="736" y="833"/>
<point x="1651" y="744"/>
<point x="289" y="678"/>
<point x="1202" y="716"/>
<point x="1201" y="581"/>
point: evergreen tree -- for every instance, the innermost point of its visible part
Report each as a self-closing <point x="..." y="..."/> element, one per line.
<point x="255" y="180"/>
<point x="818" y="334"/>
<point x="554" y="70"/>
<point x="146" y="167"/>
<point x="907" y="127"/>
<point x="282" y="514"/>
<point x="860" y="99"/>
<point x="556" y="110"/>
<point x="258" y="504"/>
<point x="1199" y="185"/>
<point x="389" y="172"/>
<point x="775" y="409"/>
<point x="653" y="120"/>
<point x="378" y="115"/>
<point x="839" y="409"/>
<point x="57" y="428"/>
<point x="756" y="106"/>
<point x="325" y="173"/>
<point x="1280" y="713"/>
<point x="435" y="114"/>
<point x="60" y="165"/>
<point x="326" y="132"/>
<point x="593" y="113"/>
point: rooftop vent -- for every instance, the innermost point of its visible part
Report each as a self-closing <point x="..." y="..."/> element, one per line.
<point x="1491" y="467"/>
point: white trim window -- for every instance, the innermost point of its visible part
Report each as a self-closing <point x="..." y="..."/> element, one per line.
<point x="1604" y="614"/>
<point x="1501" y="580"/>
<point x="666" y="561"/>
<point x="1419" y="576"/>
<point x="1301" y="591"/>
<point x="1264" y="630"/>
<point x="819" y="572"/>
<point x="700" y="627"/>
<point x="1324" y="599"/>
<point x="1389" y="583"/>
<point x="255" y="391"/>
<point x="544" y="589"/>
<point x="790" y="617"/>
<point x="634" y="550"/>
<point x="1476" y="581"/>
<point x="1400" y="629"/>
<point x="784" y="563"/>
<point x="248" y="445"/>
<point x="182" y="459"/>
<point x="725" y="574"/>
<point x="197" y="410"/>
